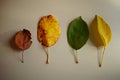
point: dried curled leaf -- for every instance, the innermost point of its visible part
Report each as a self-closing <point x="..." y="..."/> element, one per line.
<point x="48" y="31"/>
<point x="100" y="34"/>
<point x="23" y="39"/>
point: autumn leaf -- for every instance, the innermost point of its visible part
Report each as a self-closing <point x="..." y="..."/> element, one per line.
<point x="23" y="40"/>
<point x="48" y="32"/>
<point x="100" y="34"/>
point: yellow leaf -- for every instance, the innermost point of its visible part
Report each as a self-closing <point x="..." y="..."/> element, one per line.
<point x="48" y="32"/>
<point x="100" y="32"/>
<point x="100" y="35"/>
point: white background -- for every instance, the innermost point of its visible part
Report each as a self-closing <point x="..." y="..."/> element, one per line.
<point x="18" y="14"/>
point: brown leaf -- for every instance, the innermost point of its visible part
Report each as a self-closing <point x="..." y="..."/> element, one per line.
<point x="23" y="39"/>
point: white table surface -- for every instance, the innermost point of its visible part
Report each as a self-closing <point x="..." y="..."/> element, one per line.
<point x="18" y="14"/>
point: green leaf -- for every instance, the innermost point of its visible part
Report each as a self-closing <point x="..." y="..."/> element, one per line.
<point x="78" y="33"/>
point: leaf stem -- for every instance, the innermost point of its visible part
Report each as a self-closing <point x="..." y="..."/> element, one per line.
<point x="102" y="58"/>
<point x="76" y="57"/>
<point x="48" y="56"/>
<point x="22" y="56"/>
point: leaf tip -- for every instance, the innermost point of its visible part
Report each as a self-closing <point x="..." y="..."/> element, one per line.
<point x="100" y="65"/>
<point x="22" y="61"/>
<point x="76" y="62"/>
<point x="47" y="62"/>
